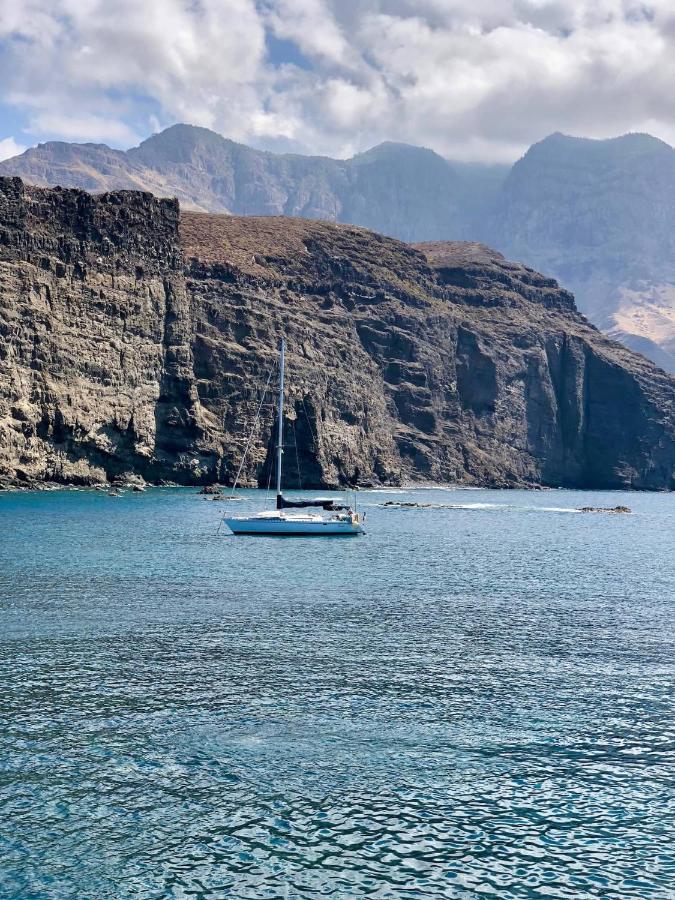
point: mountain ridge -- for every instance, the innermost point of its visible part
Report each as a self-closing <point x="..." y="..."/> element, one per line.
<point x="596" y="214"/>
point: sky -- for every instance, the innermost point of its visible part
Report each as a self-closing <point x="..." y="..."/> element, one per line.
<point x="475" y="80"/>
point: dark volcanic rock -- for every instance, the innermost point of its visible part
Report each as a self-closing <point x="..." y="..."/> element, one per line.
<point x="614" y="510"/>
<point x="96" y="374"/>
<point x="135" y="342"/>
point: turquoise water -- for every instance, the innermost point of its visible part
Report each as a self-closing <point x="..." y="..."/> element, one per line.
<point x="464" y="702"/>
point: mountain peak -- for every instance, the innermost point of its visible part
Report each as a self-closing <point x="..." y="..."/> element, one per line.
<point x="559" y="145"/>
<point x="182" y="131"/>
<point x="395" y="149"/>
<point x="177" y="143"/>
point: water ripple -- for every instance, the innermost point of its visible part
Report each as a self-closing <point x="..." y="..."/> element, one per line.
<point x="456" y="706"/>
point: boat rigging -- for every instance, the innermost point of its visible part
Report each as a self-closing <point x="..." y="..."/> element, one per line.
<point x="335" y="518"/>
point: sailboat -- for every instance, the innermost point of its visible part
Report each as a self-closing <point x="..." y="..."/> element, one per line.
<point x="335" y="518"/>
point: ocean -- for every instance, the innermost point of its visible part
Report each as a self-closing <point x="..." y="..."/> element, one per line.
<point x="474" y="699"/>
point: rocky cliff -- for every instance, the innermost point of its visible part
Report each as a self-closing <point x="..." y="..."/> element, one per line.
<point x="134" y="339"/>
<point x="597" y="215"/>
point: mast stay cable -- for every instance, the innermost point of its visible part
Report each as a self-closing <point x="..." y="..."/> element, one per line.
<point x="248" y="442"/>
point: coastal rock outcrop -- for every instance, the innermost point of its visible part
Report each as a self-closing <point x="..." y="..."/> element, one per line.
<point x="138" y="340"/>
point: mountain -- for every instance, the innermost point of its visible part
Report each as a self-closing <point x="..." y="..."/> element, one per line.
<point x="392" y="188"/>
<point x="137" y="340"/>
<point x="598" y="215"/>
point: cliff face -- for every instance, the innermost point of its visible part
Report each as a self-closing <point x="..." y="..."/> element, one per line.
<point x="596" y="214"/>
<point x="95" y="327"/>
<point x="133" y="340"/>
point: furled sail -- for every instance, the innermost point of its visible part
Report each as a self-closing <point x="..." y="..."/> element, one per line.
<point x="325" y="503"/>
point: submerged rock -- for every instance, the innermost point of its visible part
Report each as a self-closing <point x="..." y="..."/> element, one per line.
<point x="605" y="509"/>
<point x="408" y="504"/>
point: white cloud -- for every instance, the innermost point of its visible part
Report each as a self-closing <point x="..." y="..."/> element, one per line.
<point x="96" y="129"/>
<point x="311" y="25"/>
<point x="9" y="148"/>
<point x="474" y="79"/>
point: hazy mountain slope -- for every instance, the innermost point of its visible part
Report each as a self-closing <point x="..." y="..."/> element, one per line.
<point x="600" y="216"/>
<point x="403" y="191"/>
<point x="92" y="167"/>
<point x="644" y="319"/>
<point x="138" y="340"/>
<point x="395" y="189"/>
<point x="407" y="192"/>
<point x="596" y="214"/>
<point x="222" y="176"/>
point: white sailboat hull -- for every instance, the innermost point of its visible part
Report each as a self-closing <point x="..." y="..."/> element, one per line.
<point x="293" y="525"/>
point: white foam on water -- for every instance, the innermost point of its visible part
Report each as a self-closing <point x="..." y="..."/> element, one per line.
<point x="479" y="506"/>
<point x="485" y="506"/>
<point x="514" y="507"/>
<point x="383" y="491"/>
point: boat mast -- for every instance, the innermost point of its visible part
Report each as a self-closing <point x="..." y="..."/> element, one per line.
<point x="280" y="426"/>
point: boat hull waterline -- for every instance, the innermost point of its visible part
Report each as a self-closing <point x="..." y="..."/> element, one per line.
<point x="259" y="525"/>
